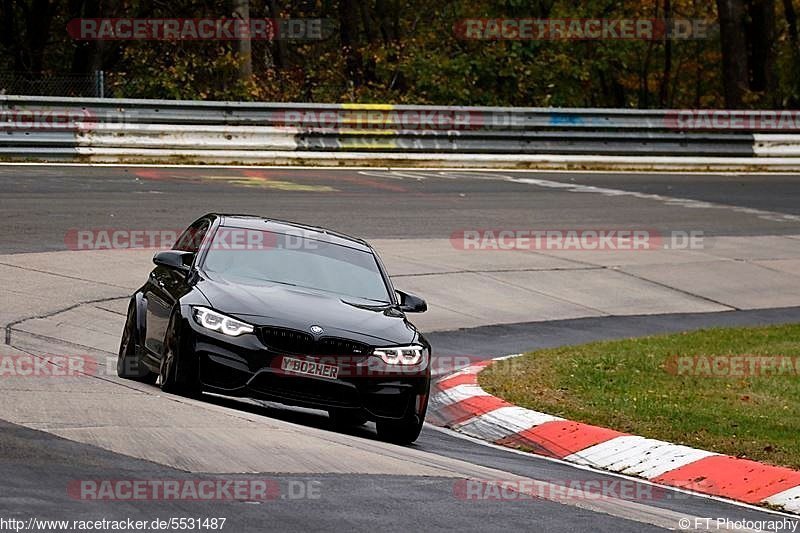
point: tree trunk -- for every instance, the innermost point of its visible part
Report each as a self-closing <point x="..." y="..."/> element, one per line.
<point x="348" y="33"/>
<point x="277" y="46"/>
<point x="663" y="92"/>
<point x="791" y="21"/>
<point x="734" y="51"/>
<point x="38" y="19"/>
<point x="241" y="11"/>
<point x="8" y="26"/>
<point x="794" y="71"/>
<point x="760" y="39"/>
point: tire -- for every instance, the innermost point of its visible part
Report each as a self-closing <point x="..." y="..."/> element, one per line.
<point x="129" y="360"/>
<point x="178" y="373"/>
<point x="346" y="418"/>
<point x="404" y="431"/>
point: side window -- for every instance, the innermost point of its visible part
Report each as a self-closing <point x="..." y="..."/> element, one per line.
<point x="190" y="240"/>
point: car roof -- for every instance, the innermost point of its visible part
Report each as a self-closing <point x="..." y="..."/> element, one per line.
<point x="261" y="223"/>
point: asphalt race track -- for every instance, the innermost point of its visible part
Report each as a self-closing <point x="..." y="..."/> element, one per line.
<point x="40" y="203"/>
<point x="59" y="299"/>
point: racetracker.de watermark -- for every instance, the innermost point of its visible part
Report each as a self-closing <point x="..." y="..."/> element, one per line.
<point x="199" y="29"/>
<point x="18" y="118"/>
<point x="47" y="366"/>
<point x="362" y="366"/>
<point x="733" y="366"/>
<point x="366" y="365"/>
<point x="721" y="119"/>
<point x="563" y="490"/>
<point x="226" y="239"/>
<point x="594" y="239"/>
<point x="220" y="489"/>
<point x="576" y="29"/>
<point x="382" y="119"/>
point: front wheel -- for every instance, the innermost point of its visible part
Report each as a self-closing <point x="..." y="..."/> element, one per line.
<point x="346" y="418"/>
<point x="129" y="361"/>
<point x="179" y="372"/>
<point x="404" y="431"/>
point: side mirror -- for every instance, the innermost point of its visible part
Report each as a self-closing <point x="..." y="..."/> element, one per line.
<point x="174" y="259"/>
<point x="410" y="303"/>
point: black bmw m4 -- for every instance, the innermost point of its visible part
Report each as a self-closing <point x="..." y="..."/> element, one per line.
<point x="249" y="306"/>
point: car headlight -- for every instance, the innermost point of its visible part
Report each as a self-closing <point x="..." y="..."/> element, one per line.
<point x="402" y="355"/>
<point x="218" y="322"/>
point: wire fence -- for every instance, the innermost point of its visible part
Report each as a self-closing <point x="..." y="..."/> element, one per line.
<point x="80" y="85"/>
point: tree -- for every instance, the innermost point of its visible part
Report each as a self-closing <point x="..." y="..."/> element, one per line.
<point x="241" y="12"/>
<point x="734" y="51"/>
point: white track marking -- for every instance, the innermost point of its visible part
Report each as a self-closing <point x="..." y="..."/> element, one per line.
<point x="457" y="394"/>
<point x="631" y="454"/>
<point x="504" y="422"/>
<point x="788" y="499"/>
<point x="688" y="203"/>
<point x="667" y="200"/>
<point x="395" y="174"/>
<point x="589" y="468"/>
<point x="400" y="169"/>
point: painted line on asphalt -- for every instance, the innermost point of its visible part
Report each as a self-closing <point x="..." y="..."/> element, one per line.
<point x="399" y="169"/>
<point x="689" y="203"/>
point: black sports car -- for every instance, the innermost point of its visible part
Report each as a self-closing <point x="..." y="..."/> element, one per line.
<point x="249" y="306"/>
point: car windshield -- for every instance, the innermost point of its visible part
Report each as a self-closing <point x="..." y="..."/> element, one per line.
<point x="255" y="256"/>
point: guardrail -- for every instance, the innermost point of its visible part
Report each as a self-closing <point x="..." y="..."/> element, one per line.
<point x="54" y="128"/>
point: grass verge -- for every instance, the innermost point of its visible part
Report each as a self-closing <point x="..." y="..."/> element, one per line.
<point x="687" y="388"/>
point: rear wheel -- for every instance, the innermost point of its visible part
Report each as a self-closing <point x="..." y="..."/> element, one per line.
<point x="178" y="373"/>
<point x="129" y="361"/>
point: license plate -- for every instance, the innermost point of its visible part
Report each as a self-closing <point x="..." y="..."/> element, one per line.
<point x="309" y="368"/>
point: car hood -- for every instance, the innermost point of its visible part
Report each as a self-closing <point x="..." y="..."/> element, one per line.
<point x="275" y="304"/>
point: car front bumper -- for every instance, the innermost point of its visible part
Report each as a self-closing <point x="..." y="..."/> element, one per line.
<point x="243" y="366"/>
